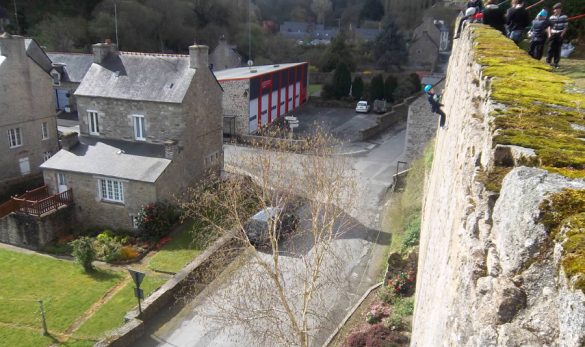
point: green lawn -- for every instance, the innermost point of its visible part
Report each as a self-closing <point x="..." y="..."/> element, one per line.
<point x="314" y="88"/>
<point x="111" y="315"/>
<point x="66" y="290"/>
<point x="178" y="252"/>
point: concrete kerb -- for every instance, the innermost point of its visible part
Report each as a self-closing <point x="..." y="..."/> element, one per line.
<point x="166" y="294"/>
<point x="350" y="313"/>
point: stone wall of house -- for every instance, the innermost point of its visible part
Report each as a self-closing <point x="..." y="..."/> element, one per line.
<point x="421" y="126"/>
<point x="163" y="121"/>
<point x="236" y="103"/>
<point x="91" y="211"/>
<point x="423" y="53"/>
<point x="26" y="102"/>
<point x="201" y="145"/>
<point x="35" y="232"/>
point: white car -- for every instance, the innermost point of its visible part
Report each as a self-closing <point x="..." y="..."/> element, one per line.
<point x="363" y="107"/>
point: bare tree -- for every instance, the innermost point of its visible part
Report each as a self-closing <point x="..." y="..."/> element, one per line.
<point x="280" y="294"/>
<point x="320" y="8"/>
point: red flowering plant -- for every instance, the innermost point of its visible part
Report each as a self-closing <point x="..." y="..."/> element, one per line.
<point x="403" y="283"/>
<point x="156" y="219"/>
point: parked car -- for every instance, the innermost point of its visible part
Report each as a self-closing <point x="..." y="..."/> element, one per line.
<point x="257" y="226"/>
<point x="363" y="107"/>
<point x="380" y="106"/>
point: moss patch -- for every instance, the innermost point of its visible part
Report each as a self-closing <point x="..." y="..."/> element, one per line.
<point x="565" y="211"/>
<point x="540" y="107"/>
<point x="492" y="180"/>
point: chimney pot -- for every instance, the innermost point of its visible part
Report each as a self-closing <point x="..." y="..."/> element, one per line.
<point x="69" y="140"/>
<point x="199" y="56"/>
<point x="102" y="50"/>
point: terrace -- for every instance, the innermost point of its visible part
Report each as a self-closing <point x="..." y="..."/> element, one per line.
<point x="37" y="202"/>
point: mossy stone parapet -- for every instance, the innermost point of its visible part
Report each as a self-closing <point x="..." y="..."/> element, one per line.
<point x="540" y="110"/>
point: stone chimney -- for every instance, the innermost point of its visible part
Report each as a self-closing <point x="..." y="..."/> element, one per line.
<point x="171" y="149"/>
<point x="12" y="46"/>
<point x="199" y="56"/>
<point x="102" y="50"/>
<point x="69" y="141"/>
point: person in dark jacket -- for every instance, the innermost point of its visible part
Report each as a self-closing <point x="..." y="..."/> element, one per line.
<point x="517" y="19"/>
<point x="538" y="35"/>
<point x="559" y="23"/>
<point x="435" y="104"/>
<point x="494" y="16"/>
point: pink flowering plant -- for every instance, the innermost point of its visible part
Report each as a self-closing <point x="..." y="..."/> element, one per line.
<point x="403" y="283"/>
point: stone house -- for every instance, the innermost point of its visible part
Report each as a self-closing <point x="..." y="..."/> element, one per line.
<point x="28" y="125"/>
<point x="428" y="40"/>
<point x="224" y="56"/>
<point x="69" y="70"/>
<point x="150" y="124"/>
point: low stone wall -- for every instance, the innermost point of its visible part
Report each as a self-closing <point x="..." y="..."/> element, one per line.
<point x="399" y="113"/>
<point x="204" y="269"/>
<point x="35" y="232"/>
<point x="273" y="142"/>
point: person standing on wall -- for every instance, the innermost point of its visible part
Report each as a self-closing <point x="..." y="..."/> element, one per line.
<point x="517" y="19"/>
<point x="435" y="104"/>
<point x="539" y="31"/>
<point x="494" y="16"/>
<point x="559" y="23"/>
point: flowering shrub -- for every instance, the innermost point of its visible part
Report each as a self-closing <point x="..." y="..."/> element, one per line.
<point x="403" y="283"/>
<point x="107" y="247"/>
<point x="155" y="219"/>
<point x="128" y="253"/>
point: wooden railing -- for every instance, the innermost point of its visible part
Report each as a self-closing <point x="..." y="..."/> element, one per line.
<point x="37" y="202"/>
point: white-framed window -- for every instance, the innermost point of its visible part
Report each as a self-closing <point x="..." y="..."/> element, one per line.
<point x="139" y="129"/>
<point x="93" y="122"/>
<point x="47" y="155"/>
<point x="24" y="165"/>
<point x="14" y="137"/>
<point x="45" y="130"/>
<point x="111" y="190"/>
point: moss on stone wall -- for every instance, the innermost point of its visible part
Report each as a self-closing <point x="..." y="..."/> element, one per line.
<point x="564" y="217"/>
<point x="541" y="111"/>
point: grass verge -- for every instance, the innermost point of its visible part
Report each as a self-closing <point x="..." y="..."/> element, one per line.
<point x="111" y="315"/>
<point x="183" y="247"/>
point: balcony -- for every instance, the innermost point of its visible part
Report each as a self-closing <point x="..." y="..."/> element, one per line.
<point x="37" y="202"/>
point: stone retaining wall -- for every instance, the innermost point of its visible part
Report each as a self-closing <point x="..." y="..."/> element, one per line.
<point x="399" y="113"/>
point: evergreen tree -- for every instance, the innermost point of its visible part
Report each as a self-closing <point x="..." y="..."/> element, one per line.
<point x="390" y="85"/>
<point x="357" y="88"/>
<point x="372" y="10"/>
<point x="338" y="52"/>
<point x="341" y="80"/>
<point x="389" y="47"/>
<point x="377" y="87"/>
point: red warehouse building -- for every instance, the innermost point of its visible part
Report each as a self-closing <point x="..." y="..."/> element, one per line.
<point x="256" y="96"/>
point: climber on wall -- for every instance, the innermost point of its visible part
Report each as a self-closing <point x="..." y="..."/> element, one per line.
<point x="435" y="104"/>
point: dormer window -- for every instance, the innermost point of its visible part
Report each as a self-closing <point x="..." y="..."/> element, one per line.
<point x="56" y="78"/>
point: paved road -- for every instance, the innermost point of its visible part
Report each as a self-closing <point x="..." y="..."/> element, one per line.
<point x="361" y="252"/>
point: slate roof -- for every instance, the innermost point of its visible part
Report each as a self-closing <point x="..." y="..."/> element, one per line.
<point x="75" y="66"/>
<point x="139" y="76"/>
<point x="38" y="55"/>
<point x="112" y="158"/>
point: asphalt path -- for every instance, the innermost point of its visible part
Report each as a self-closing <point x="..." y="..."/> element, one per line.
<point x="360" y="259"/>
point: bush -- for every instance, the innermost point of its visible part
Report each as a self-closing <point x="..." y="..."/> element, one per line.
<point x="83" y="252"/>
<point x="403" y="283"/>
<point x="357" y="88"/>
<point x="412" y="231"/>
<point x="155" y="220"/>
<point x="128" y="253"/>
<point x="107" y="247"/>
